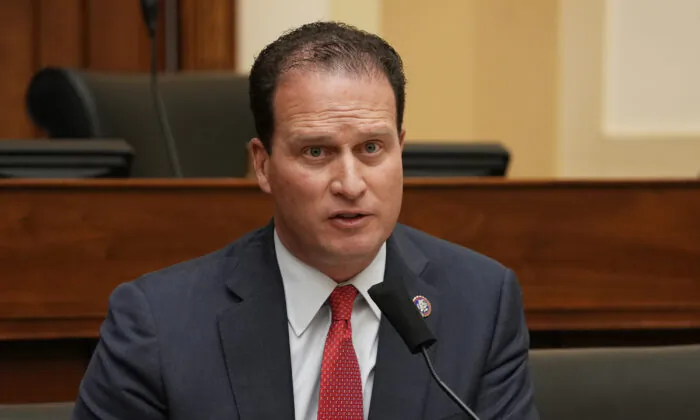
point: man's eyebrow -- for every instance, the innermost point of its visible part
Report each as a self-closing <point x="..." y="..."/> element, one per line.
<point x="378" y="132"/>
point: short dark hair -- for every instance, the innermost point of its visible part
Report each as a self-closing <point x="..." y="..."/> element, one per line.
<point x="325" y="46"/>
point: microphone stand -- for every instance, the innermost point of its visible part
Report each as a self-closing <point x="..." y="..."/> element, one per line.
<point x="150" y="16"/>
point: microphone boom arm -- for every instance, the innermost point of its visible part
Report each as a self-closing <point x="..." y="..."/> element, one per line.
<point x="444" y="386"/>
<point x="162" y="115"/>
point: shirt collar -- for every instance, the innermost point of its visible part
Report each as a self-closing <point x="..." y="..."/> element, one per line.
<point x="307" y="289"/>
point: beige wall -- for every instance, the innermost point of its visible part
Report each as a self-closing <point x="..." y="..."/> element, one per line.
<point x="605" y="128"/>
<point x="365" y="14"/>
<point x="258" y="22"/>
<point x="516" y="81"/>
<point x="481" y="70"/>
<point x="436" y="41"/>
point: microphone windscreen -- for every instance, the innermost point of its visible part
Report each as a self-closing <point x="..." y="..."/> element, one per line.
<point x="149" y="10"/>
<point x="402" y="314"/>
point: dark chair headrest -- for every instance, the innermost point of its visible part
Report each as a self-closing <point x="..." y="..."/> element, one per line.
<point x="59" y="103"/>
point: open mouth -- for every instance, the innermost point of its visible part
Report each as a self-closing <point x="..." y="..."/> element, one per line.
<point x="349" y="219"/>
<point x="349" y="216"/>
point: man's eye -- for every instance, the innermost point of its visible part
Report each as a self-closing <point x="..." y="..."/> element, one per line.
<point x="314" y="152"/>
<point x="371" y="147"/>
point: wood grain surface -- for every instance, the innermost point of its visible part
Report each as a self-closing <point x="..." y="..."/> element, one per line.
<point x="589" y="255"/>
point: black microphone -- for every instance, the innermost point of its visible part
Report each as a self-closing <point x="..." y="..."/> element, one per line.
<point x="394" y="303"/>
<point x="149" y="8"/>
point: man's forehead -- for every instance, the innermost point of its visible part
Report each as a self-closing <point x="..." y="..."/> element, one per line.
<point x="306" y="89"/>
<point x="306" y="104"/>
<point x="312" y="72"/>
<point x="311" y="132"/>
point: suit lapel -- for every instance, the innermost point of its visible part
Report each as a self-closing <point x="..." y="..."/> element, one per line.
<point x="401" y="379"/>
<point x="254" y="334"/>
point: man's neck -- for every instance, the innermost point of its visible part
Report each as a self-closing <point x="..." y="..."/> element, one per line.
<point x="339" y="271"/>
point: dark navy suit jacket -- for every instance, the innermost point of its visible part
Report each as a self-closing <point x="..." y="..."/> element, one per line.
<point x="207" y="339"/>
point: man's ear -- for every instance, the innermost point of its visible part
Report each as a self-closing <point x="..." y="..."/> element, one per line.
<point x="261" y="164"/>
<point x="402" y="137"/>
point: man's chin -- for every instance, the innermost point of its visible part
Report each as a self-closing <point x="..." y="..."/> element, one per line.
<point x="355" y="248"/>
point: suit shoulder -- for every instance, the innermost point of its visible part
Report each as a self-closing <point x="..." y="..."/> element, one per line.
<point x="195" y="272"/>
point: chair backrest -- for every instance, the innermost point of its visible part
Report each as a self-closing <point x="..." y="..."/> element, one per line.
<point x="208" y="111"/>
<point x="44" y="411"/>
<point x="617" y="383"/>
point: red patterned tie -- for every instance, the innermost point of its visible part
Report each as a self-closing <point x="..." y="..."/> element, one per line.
<point x="341" y="385"/>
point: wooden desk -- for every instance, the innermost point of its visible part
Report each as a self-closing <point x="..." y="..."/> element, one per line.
<point x="591" y="256"/>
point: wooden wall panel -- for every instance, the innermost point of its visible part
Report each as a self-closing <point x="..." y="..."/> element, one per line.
<point x="16" y="65"/>
<point x="589" y="255"/>
<point x="207" y="34"/>
<point x="59" y="31"/>
<point x="117" y="36"/>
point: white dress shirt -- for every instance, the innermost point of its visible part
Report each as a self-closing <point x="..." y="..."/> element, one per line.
<point x="309" y="318"/>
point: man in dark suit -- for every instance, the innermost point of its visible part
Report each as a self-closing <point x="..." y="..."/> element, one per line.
<point x="279" y="324"/>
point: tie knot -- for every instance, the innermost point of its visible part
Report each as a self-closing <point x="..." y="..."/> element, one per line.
<point x="342" y="300"/>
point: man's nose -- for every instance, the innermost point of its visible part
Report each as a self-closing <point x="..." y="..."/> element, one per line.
<point x="349" y="180"/>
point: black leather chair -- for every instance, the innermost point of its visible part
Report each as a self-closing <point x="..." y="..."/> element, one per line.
<point x="617" y="383"/>
<point x="209" y="114"/>
<point x="48" y="411"/>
